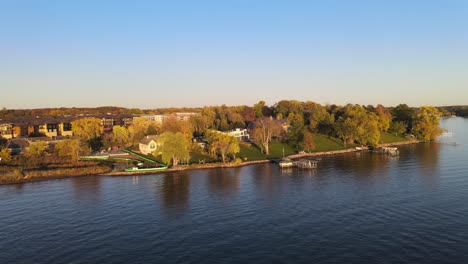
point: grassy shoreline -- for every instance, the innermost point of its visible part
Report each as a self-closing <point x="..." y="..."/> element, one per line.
<point x="17" y="176"/>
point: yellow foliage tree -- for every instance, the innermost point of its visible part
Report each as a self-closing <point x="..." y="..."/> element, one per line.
<point x="426" y="123"/>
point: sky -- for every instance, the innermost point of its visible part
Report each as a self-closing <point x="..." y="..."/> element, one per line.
<point x="153" y="54"/>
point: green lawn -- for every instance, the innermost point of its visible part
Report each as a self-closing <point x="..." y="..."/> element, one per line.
<point x="276" y="150"/>
<point x="196" y="157"/>
<point x="386" y="138"/>
<point x="249" y="152"/>
<point x="326" y="143"/>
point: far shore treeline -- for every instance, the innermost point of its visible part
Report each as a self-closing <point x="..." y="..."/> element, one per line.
<point x="288" y="126"/>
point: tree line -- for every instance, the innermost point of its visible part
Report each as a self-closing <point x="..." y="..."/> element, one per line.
<point x="289" y="121"/>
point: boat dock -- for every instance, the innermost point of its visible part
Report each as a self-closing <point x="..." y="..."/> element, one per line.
<point x="392" y="151"/>
<point x="301" y="164"/>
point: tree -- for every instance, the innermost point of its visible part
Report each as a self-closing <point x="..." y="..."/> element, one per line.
<point x="142" y="127"/>
<point x="222" y="144"/>
<point x="403" y="113"/>
<point x="200" y="124"/>
<point x="356" y="124"/>
<point x="309" y="143"/>
<point x="248" y="114"/>
<point x="87" y="128"/>
<point x="385" y="117"/>
<point x="71" y="149"/>
<point x="5" y="155"/>
<point x="258" y="108"/>
<point x="35" y="151"/>
<point x="173" y="125"/>
<point x="174" y="147"/>
<point x="426" y="123"/>
<point x="265" y="129"/>
<point x="397" y="128"/>
<point x="120" y="136"/>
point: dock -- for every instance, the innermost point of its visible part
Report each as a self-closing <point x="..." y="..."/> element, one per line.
<point x="392" y="151"/>
<point x="301" y="164"/>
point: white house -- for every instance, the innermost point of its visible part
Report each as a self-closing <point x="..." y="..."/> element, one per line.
<point x="241" y="134"/>
<point x="149" y="144"/>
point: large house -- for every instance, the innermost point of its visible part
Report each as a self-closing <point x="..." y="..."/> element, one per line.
<point x="241" y="134"/>
<point x="149" y="144"/>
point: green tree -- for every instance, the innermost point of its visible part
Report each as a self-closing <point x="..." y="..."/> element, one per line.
<point x="71" y="149"/>
<point x="397" y="128"/>
<point x="5" y="155"/>
<point x="358" y="125"/>
<point x="87" y="128"/>
<point x="258" y="108"/>
<point x="222" y="144"/>
<point x="426" y="123"/>
<point x="174" y="147"/>
<point x="403" y="113"/>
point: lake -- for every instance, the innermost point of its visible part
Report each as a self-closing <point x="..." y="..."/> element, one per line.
<point x="355" y="208"/>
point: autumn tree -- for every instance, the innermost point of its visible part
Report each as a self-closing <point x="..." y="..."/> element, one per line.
<point x="384" y="117"/>
<point x="264" y="131"/>
<point x="35" y="152"/>
<point x="356" y="124"/>
<point x="200" y="124"/>
<point x="5" y="155"/>
<point x="309" y="143"/>
<point x="173" y="125"/>
<point x="142" y="127"/>
<point x="120" y="136"/>
<point x="222" y="144"/>
<point x="174" y="147"/>
<point x="71" y="149"/>
<point x="426" y="123"/>
<point x="87" y="128"/>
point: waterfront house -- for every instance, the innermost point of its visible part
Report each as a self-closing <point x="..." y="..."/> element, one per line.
<point x="241" y="134"/>
<point x="149" y="144"/>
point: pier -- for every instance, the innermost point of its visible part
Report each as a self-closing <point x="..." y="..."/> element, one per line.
<point x="301" y="164"/>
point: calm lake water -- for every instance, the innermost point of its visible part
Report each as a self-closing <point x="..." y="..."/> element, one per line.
<point x="355" y="208"/>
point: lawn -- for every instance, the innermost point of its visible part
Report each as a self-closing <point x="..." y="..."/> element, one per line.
<point x="386" y="138"/>
<point x="326" y="143"/>
<point x="249" y="152"/>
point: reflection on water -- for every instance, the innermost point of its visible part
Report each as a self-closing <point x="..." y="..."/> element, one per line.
<point x="176" y="191"/>
<point x="90" y="190"/>
<point x="226" y="181"/>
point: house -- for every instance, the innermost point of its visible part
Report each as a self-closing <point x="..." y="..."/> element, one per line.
<point x="18" y="145"/>
<point x="200" y="142"/>
<point x="149" y="144"/>
<point x="241" y="134"/>
<point x="6" y="131"/>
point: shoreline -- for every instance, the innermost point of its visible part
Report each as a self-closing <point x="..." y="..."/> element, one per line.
<point x="201" y="166"/>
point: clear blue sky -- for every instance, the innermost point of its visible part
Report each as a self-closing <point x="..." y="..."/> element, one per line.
<point x="151" y="54"/>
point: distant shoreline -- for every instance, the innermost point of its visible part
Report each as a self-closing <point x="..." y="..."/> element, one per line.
<point x="194" y="166"/>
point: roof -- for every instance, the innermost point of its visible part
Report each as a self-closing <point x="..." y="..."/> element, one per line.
<point x="146" y="140"/>
<point x="18" y="143"/>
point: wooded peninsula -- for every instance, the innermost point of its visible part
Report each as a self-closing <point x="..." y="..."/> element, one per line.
<point x="62" y="142"/>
